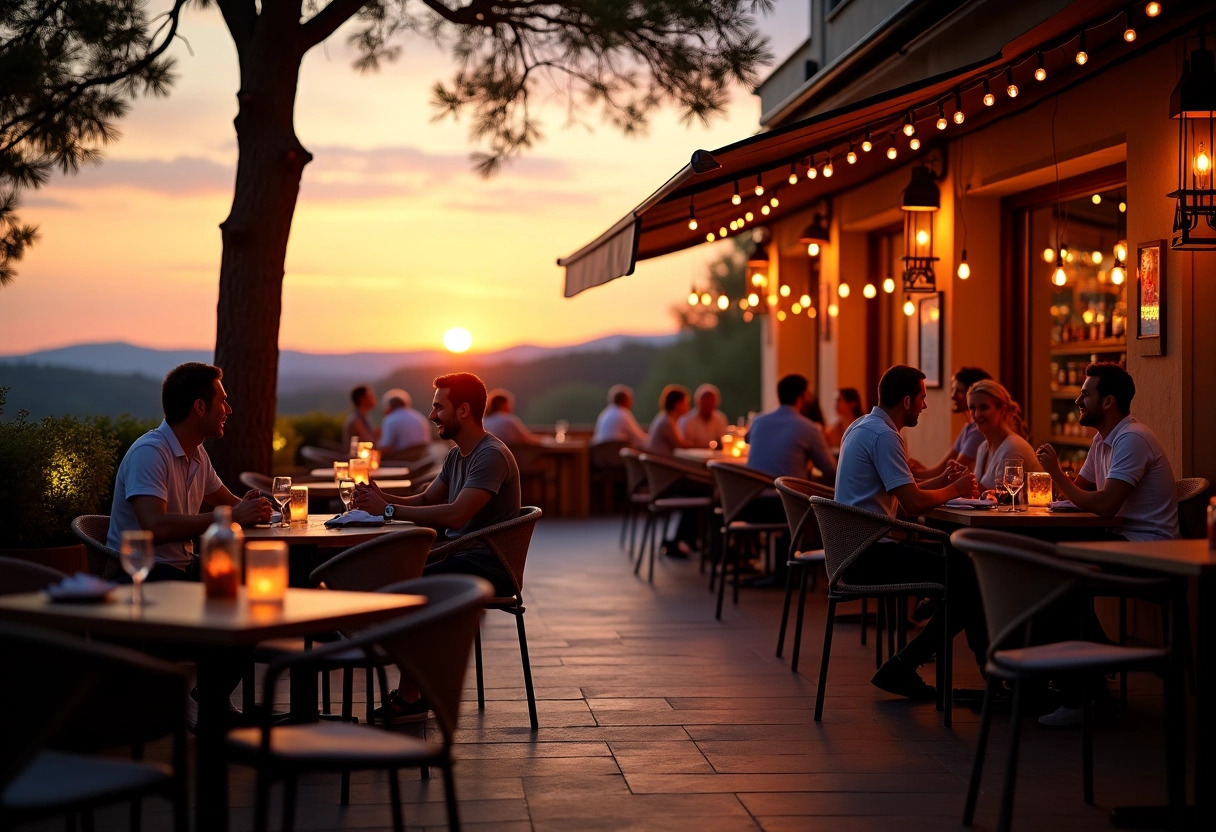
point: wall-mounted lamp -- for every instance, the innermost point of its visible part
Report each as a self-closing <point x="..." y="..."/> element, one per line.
<point x="1193" y="104"/>
<point x="921" y="201"/>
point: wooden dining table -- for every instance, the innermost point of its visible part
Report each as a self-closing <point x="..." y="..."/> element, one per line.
<point x="314" y="532"/>
<point x="215" y="633"/>
<point x="385" y="471"/>
<point x="1035" y="521"/>
<point x="1190" y="559"/>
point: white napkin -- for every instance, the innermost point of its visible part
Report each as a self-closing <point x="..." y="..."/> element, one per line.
<point x="967" y="502"/>
<point x="276" y="517"/>
<point x="356" y="517"/>
<point x="1062" y="505"/>
<point x="80" y="587"/>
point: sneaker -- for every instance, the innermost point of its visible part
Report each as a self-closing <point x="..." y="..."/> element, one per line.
<point x="1061" y="717"/>
<point x="396" y="711"/>
<point x="897" y="678"/>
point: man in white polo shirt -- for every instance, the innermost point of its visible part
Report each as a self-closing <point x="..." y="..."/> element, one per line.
<point x="166" y="475"/>
<point x="1126" y="472"/>
<point x="873" y="474"/>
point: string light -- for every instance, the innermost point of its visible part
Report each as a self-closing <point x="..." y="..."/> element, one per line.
<point x="734" y="225"/>
<point x="753" y="299"/>
<point x="1152" y="9"/>
<point x="805" y="300"/>
<point x="828" y="170"/>
<point x="1059" y="277"/>
<point x="692" y="216"/>
<point x="796" y="308"/>
<point x="736" y="199"/>
<point x="773" y="201"/>
<point x="812" y="171"/>
<point x="793" y="177"/>
<point x="759" y="186"/>
<point x="843" y="290"/>
<point x="888" y="285"/>
<point x="706" y="298"/>
<point x="964" y="269"/>
<point x="749" y="216"/>
<point x="813" y="250"/>
<point x="1010" y="87"/>
<point x="915" y="143"/>
<point x="869" y="291"/>
<point x="785" y="290"/>
<point x="958" y="108"/>
<point x="942" y="124"/>
<point x="765" y="210"/>
<point x="710" y="237"/>
<point x="1082" y="56"/>
<point x="1129" y="31"/>
<point x="909" y="308"/>
<point x="851" y="156"/>
<point x="723" y="302"/>
<point x="781" y="314"/>
<point x="1096" y="199"/>
<point x="909" y="127"/>
<point x="833" y="310"/>
<point x="1040" y="71"/>
<point x="866" y="144"/>
<point x="989" y="98"/>
<point x="891" y="151"/>
<point x="722" y="230"/>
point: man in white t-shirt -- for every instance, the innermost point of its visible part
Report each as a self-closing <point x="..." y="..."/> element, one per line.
<point x="704" y="423"/>
<point x="501" y="420"/>
<point x="1126" y="472"/>
<point x="402" y="426"/>
<point x="616" y="422"/>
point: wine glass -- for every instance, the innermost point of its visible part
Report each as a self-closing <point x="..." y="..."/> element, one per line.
<point x="1013" y="480"/>
<point x="346" y="492"/>
<point x="282" y="497"/>
<point x="137" y="557"/>
<point x="560" y="429"/>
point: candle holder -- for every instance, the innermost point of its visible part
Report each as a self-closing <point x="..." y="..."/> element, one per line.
<point x="341" y="471"/>
<point x="373" y="458"/>
<point x="299" y="504"/>
<point x="365" y="450"/>
<point x="266" y="571"/>
<point x="1038" y="488"/>
<point x="360" y="470"/>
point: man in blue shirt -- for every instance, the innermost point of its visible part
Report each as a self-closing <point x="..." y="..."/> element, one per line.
<point x="783" y="442"/>
<point x="874" y="475"/>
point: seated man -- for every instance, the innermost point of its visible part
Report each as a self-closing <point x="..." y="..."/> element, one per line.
<point x="362" y="399"/>
<point x="783" y="442"/>
<point x="616" y="422"/>
<point x="402" y="427"/>
<point x="478" y="487"/>
<point x="502" y="422"/>
<point x="967" y="443"/>
<point x="874" y="475"/>
<point x="166" y="475"/>
<point x="1126" y="472"/>
<point x="704" y="423"/>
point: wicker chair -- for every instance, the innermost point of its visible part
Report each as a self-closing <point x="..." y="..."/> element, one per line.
<point x="263" y="483"/>
<point x="1018" y="583"/>
<point x="430" y="647"/>
<point x="847" y="533"/>
<point x="806" y="551"/>
<point x="321" y="457"/>
<point x="1190" y="493"/>
<point x="663" y="475"/>
<point x="637" y="493"/>
<point x="93" y="531"/>
<point x="509" y="541"/>
<point x="739" y="487"/>
<point x="88" y="697"/>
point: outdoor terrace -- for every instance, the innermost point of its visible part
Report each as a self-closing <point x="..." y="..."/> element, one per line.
<point x="654" y="716"/>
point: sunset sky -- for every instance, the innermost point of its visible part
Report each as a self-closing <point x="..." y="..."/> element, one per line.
<point x="395" y="239"/>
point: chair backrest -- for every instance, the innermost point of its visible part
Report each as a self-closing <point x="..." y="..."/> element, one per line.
<point x="663" y="474"/>
<point x="846" y="532"/>
<point x="431" y="646"/>
<point x="411" y="453"/>
<point x="738" y="486"/>
<point x="796" y="496"/>
<point x="383" y="560"/>
<point x="321" y="456"/>
<point x="1192" y="518"/>
<point x="607" y="454"/>
<point x="1018" y="580"/>
<point x="252" y="479"/>
<point x="18" y="575"/>
<point x="635" y="474"/>
<point x="508" y="540"/>
<point x="93" y="530"/>
<point x="87" y="696"/>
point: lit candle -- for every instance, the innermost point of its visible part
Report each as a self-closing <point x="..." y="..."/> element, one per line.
<point x="266" y="571"/>
<point x="374" y="459"/>
<point x="299" y="504"/>
<point x="365" y="450"/>
<point x="1038" y="488"/>
<point x="341" y="471"/>
<point x="359" y="469"/>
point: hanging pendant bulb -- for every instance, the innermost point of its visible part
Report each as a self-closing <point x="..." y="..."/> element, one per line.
<point x="1040" y="71"/>
<point x="869" y="291"/>
<point x="843" y="290"/>
<point x="793" y="177"/>
<point x="692" y="216"/>
<point x="964" y="270"/>
<point x="942" y="124"/>
<point x="909" y="308"/>
<point x="1010" y="88"/>
<point x="759" y="187"/>
<point x="1082" y="56"/>
<point x="805" y="300"/>
<point x="851" y="156"/>
<point x="866" y="144"/>
<point x="693" y="296"/>
<point x="710" y="237"/>
<point x="891" y="151"/>
<point x="915" y="143"/>
<point x="1059" y="277"/>
<point x="1152" y="9"/>
<point x="909" y="127"/>
<point x="828" y="170"/>
<point x="888" y="285"/>
<point x="989" y="98"/>
<point x="736" y="199"/>
<point x="811" y="170"/>
<point x="958" y="108"/>
<point x="1129" y="31"/>
<point x="723" y="302"/>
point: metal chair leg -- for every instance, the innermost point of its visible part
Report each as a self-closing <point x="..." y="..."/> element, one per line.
<point x="823" y="661"/>
<point x="394" y="799"/>
<point x="981" y="747"/>
<point x="798" y="623"/>
<point x="481" y="685"/>
<point x="1011" y="765"/>
<point x="527" y="665"/>
<point x="785" y="607"/>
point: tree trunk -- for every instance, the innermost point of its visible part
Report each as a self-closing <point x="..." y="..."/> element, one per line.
<point x="270" y="165"/>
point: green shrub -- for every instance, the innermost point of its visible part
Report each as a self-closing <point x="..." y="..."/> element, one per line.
<point x="286" y="442"/>
<point x="316" y="427"/>
<point x="53" y="470"/>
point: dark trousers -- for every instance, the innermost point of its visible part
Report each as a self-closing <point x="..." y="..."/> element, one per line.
<point x="482" y="564"/>
<point x="897" y="563"/>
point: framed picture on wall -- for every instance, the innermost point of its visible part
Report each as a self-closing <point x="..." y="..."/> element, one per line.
<point x="929" y="331"/>
<point x="1150" y="297"/>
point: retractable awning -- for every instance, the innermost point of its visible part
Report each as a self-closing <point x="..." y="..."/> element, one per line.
<point x="660" y="224"/>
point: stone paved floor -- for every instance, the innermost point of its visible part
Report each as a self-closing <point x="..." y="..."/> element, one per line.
<point x="654" y="716"/>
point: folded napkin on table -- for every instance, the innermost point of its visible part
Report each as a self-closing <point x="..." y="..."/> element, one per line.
<point x="80" y="587"/>
<point x="276" y="517"/>
<point x="1062" y="505"/>
<point x="357" y="517"/>
<point x="967" y="502"/>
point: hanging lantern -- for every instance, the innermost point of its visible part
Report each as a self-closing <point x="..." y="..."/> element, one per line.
<point x="920" y="202"/>
<point x="1193" y="104"/>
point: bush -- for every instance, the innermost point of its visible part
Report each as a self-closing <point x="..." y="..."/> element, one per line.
<point x="317" y="428"/>
<point x="53" y="470"/>
<point x="286" y="442"/>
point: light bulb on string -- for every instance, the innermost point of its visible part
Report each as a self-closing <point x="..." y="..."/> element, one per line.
<point x="710" y="237"/>
<point x="1118" y="274"/>
<point x="772" y="300"/>
<point x="796" y="308"/>
<point x="1152" y="9"/>
<point x="765" y="210"/>
<point x="793" y="177"/>
<point x="1040" y="71"/>
<point x="989" y="98"/>
<point x="723" y="302"/>
<point x="692" y="216"/>
<point x="843" y="290"/>
<point x="1010" y="88"/>
<point x="942" y="124"/>
<point x="781" y="314"/>
<point x="774" y="202"/>
<point x="909" y="308"/>
<point x="722" y="230"/>
<point x="693" y="297"/>
<point x="833" y="310"/>
<point x="785" y="290"/>
<point x="828" y="170"/>
<point x="1129" y="31"/>
<point x="812" y="312"/>
<point x="812" y="171"/>
<point x="891" y="151"/>
<point x="753" y="299"/>
<point x="1059" y="277"/>
<point x="759" y="186"/>
<point x="1096" y="199"/>
<point x="1122" y="207"/>
<point x="914" y="143"/>
<point x="888" y="285"/>
<point x="734" y="225"/>
<point x="909" y="127"/>
<point x="866" y="144"/>
<point x="706" y="298"/>
<point x="964" y="269"/>
<point x="736" y="199"/>
<point x="749" y="216"/>
<point x="805" y="300"/>
<point x="851" y="156"/>
<point x="813" y="250"/>
<point x="958" y="108"/>
<point x="869" y="291"/>
<point x="1049" y="254"/>
<point x="1082" y="56"/>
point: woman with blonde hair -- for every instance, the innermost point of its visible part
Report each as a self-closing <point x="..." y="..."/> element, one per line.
<point x="998" y="418"/>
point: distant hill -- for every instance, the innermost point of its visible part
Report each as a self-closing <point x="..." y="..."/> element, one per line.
<point x="301" y="371"/>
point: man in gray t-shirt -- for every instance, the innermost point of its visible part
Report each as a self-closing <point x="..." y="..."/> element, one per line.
<point x="478" y="486"/>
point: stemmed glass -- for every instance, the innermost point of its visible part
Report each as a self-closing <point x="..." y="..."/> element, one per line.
<point x="560" y="429"/>
<point x="282" y="497"/>
<point x="346" y="492"/>
<point x="1013" y="479"/>
<point x="136" y="555"/>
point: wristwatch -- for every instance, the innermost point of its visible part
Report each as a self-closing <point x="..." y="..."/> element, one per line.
<point x="389" y="510"/>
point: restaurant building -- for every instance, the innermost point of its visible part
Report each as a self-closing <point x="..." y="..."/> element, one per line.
<point x="972" y="183"/>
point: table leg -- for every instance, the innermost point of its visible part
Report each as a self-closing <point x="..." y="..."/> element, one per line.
<point x="1205" y="668"/>
<point x="211" y="768"/>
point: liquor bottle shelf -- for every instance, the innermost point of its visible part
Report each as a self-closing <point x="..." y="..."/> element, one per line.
<point x="1065" y="392"/>
<point x="1082" y="347"/>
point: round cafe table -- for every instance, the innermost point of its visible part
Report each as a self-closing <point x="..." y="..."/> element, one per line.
<point x="384" y="471"/>
<point x="329" y="488"/>
<point x="315" y="533"/>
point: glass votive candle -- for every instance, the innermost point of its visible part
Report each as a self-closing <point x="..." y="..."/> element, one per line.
<point x="341" y="471"/>
<point x="365" y="450"/>
<point x="728" y="440"/>
<point x="1038" y="488"/>
<point x="373" y="458"/>
<point x="299" y="504"/>
<point x="360" y="470"/>
<point x="266" y="571"/>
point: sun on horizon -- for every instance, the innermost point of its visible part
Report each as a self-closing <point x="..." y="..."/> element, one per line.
<point x="458" y="339"/>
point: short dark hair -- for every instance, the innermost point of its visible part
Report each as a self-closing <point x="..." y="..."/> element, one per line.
<point x="791" y="387"/>
<point x="496" y="403"/>
<point x="465" y="388"/>
<point x="853" y="397"/>
<point x="357" y="394"/>
<point x="968" y="376"/>
<point x="186" y="384"/>
<point x="673" y="398"/>
<point x="1115" y="381"/>
<point x="897" y="383"/>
